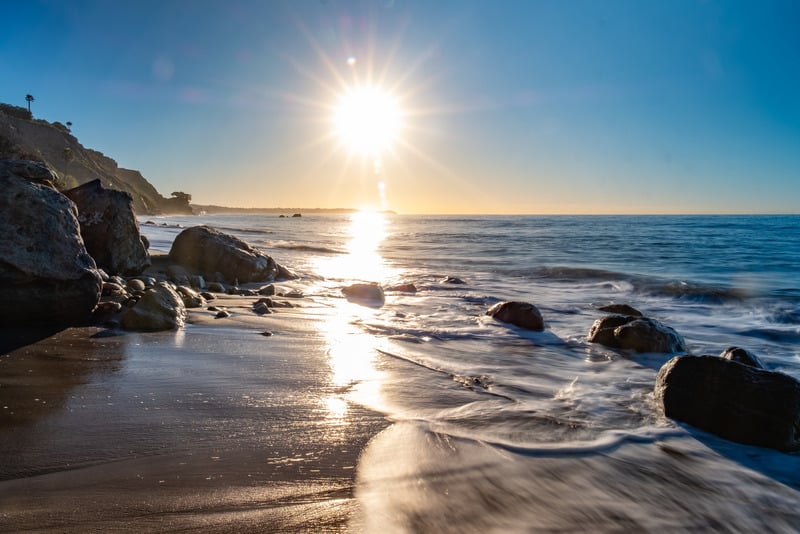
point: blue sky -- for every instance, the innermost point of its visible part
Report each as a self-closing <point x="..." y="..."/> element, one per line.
<point x="509" y="107"/>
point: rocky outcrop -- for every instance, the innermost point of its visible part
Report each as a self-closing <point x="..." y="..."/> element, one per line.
<point x="46" y="274"/>
<point x="210" y="251"/>
<point x="109" y="228"/>
<point x="522" y="314"/>
<point x="160" y="308"/>
<point x="366" y="294"/>
<point x="22" y="137"/>
<point x="641" y="334"/>
<point x="734" y="401"/>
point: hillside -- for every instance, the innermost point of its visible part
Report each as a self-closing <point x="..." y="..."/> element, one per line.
<point x="23" y="137"/>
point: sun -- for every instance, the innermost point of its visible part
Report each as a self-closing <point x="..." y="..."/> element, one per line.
<point x="367" y="120"/>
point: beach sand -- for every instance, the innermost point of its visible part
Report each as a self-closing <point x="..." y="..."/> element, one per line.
<point x="215" y="427"/>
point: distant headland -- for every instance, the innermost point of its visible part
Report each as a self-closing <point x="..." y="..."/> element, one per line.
<point x="23" y="137"/>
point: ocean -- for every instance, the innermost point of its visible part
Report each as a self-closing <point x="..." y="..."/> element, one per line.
<point x="496" y="428"/>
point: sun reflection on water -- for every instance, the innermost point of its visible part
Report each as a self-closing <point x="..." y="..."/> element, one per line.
<point x="363" y="261"/>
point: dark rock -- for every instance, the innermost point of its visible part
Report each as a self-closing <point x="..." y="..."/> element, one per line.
<point x="105" y="310"/>
<point x="161" y="308"/>
<point x="621" y="309"/>
<point x="293" y="294"/>
<point x="110" y="288"/>
<point x="366" y="294"/>
<point x="135" y="284"/>
<point x="46" y="274"/>
<point x="403" y="288"/>
<point x="210" y="251"/>
<point x="216" y="287"/>
<point x="522" y="314"/>
<point x="734" y="401"/>
<point x="208" y="296"/>
<point x="297" y="215"/>
<point x="266" y="333"/>
<point x="191" y="298"/>
<point x="261" y="308"/>
<point x="745" y="357"/>
<point x="640" y="334"/>
<point x="267" y="290"/>
<point x="222" y="314"/>
<point x="109" y="228"/>
<point x="451" y="280"/>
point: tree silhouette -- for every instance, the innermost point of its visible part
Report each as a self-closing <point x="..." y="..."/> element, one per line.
<point x="30" y="99"/>
<point x="69" y="125"/>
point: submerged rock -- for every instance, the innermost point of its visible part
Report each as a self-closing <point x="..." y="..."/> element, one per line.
<point x="367" y="294"/>
<point x="745" y="357"/>
<point x="46" y="273"/>
<point x="403" y="288"/>
<point x="732" y="400"/>
<point x="109" y="228"/>
<point x="210" y="251"/>
<point x="522" y="314"/>
<point x="641" y="334"/>
<point x="160" y="308"/>
<point x="621" y="309"/>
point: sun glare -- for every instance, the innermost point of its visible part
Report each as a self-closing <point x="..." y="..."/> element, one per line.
<point x="367" y="120"/>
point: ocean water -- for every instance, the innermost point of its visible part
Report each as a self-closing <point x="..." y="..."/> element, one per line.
<point x="497" y="428"/>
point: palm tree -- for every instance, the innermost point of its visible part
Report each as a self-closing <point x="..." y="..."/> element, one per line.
<point x="30" y="99"/>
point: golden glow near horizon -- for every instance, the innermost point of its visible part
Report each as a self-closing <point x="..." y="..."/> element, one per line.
<point x="367" y="120"/>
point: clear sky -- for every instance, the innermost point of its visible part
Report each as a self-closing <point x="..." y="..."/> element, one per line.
<point x="528" y="106"/>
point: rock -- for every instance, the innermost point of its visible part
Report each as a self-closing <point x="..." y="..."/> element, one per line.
<point x="621" y="309"/>
<point x="366" y="294"/>
<point x="191" y="298"/>
<point x="208" y="296"/>
<point x="178" y="274"/>
<point x="210" y="251"/>
<point x="160" y="308"/>
<point x="734" y="401"/>
<point x="640" y="334"/>
<point x="105" y="310"/>
<point x="46" y="274"/>
<point x="112" y="289"/>
<point x="216" y="287"/>
<point x="451" y="280"/>
<point x="745" y="357"/>
<point x="267" y="290"/>
<point x="403" y="288"/>
<point x="261" y="308"/>
<point x="222" y="314"/>
<point x="293" y="294"/>
<point x="109" y="228"/>
<point x="297" y="215"/>
<point x="522" y="314"/>
<point x="134" y="284"/>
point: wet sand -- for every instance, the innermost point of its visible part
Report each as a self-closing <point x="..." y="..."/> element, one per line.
<point x="215" y="428"/>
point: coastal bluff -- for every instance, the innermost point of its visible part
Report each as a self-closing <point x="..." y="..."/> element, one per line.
<point x="23" y="137"/>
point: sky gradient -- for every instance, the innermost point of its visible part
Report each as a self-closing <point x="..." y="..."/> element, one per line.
<point x="508" y="107"/>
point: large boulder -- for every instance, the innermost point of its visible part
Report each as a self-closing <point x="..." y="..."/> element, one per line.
<point x="46" y="274"/>
<point x="735" y="401"/>
<point x="109" y="228"/>
<point x="160" y="308"/>
<point x="641" y="334"/>
<point x="743" y="356"/>
<point x="210" y="251"/>
<point x="522" y="314"/>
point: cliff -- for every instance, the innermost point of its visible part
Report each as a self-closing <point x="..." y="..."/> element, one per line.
<point x="23" y="137"/>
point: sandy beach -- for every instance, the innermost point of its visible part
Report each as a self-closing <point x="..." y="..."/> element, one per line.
<point x="216" y="427"/>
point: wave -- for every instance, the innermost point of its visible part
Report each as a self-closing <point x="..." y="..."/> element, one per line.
<point x="648" y="285"/>
<point x="308" y="248"/>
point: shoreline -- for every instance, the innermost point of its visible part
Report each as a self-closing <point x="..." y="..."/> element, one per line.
<point x="214" y="427"/>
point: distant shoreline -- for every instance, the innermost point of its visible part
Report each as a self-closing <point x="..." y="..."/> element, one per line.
<point x="211" y="210"/>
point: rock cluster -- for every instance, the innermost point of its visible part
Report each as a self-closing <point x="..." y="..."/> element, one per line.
<point x="46" y="274"/>
<point x="637" y="333"/>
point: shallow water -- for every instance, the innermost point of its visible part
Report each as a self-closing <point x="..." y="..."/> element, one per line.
<point x="524" y="413"/>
